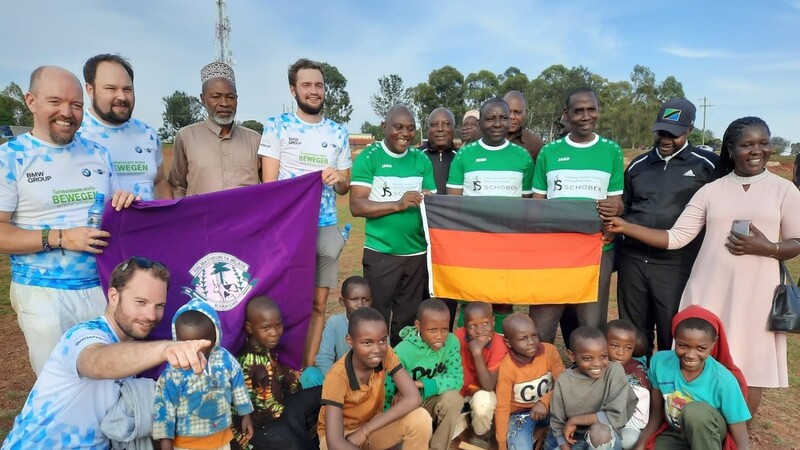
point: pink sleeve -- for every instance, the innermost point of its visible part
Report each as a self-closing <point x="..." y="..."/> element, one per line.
<point x="691" y="221"/>
<point x="790" y="214"/>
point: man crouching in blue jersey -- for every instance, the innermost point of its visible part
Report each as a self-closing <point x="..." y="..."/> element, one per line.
<point x="82" y="379"/>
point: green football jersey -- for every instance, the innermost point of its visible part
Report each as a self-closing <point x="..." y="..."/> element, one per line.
<point x="569" y="170"/>
<point x="482" y="170"/>
<point x="389" y="176"/>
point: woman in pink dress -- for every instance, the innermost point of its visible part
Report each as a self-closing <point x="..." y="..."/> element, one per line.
<point x="735" y="274"/>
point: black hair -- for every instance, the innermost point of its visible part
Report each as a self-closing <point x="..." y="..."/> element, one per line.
<point x="304" y="63"/>
<point x="197" y="320"/>
<point x="90" y="68"/>
<point x="260" y="303"/>
<point x="431" y="304"/>
<point x="514" y="318"/>
<point x="473" y="307"/>
<point x="492" y="101"/>
<point x="621" y="324"/>
<point x="732" y="134"/>
<point x="580" y="90"/>
<point x="361" y="315"/>
<point x="696" y="323"/>
<point x="355" y="280"/>
<point x="585" y="333"/>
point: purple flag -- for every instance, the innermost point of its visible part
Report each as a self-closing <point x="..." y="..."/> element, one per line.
<point x="227" y="247"/>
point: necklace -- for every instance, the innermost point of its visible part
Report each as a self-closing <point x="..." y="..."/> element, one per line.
<point x="748" y="180"/>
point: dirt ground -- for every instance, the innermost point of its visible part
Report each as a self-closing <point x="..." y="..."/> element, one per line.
<point x="775" y="426"/>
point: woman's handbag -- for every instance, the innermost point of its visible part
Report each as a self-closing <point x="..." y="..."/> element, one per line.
<point x="785" y="314"/>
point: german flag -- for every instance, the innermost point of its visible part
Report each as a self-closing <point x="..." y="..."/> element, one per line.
<point x="512" y="250"/>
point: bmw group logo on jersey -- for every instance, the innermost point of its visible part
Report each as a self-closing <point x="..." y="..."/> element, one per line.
<point x="324" y="144"/>
<point x="137" y="149"/>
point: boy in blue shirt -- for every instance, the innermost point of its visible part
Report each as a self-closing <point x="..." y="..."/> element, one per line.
<point x="193" y="411"/>
<point x="698" y="397"/>
<point x="355" y="294"/>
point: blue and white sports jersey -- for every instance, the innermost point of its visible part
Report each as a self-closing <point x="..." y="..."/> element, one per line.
<point x="64" y="409"/>
<point x="135" y="150"/>
<point x="304" y="147"/>
<point x="50" y="186"/>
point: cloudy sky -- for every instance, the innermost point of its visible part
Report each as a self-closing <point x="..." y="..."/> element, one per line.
<point x="743" y="56"/>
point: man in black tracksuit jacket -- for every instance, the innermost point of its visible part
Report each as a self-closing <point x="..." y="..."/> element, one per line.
<point x="441" y="150"/>
<point x="658" y="185"/>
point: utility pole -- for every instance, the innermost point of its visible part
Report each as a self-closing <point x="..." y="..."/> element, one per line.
<point x="223" y="32"/>
<point x="705" y="107"/>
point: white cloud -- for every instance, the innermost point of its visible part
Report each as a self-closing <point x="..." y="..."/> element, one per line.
<point x="685" y="52"/>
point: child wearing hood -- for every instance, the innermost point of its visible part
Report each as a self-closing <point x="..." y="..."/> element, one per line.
<point x="193" y="411"/>
<point x="432" y="355"/>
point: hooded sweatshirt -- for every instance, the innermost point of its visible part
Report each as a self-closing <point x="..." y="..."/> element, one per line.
<point x="199" y="405"/>
<point x="438" y="370"/>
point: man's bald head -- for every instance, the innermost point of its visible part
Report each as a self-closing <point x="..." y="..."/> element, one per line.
<point x="441" y="111"/>
<point x="399" y="128"/>
<point x="518" y="110"/>
<point x="441" y="129"/>
<point x="47" y="72"/>
<point x="55" y="98"/>
<point x="516" y="95"/>
<point x="396" y="111"/>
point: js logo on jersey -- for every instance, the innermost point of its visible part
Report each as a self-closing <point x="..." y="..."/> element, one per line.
<point x="557" y="184"/>
<point x="37" y="177"/>
<point x="386" y="191"/>
<point x="221" y="279"/>
<point x="476" y="184"/>
<point x="88" y="173"/>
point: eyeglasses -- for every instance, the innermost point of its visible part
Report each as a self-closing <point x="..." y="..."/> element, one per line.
<point x="141" y="262"/>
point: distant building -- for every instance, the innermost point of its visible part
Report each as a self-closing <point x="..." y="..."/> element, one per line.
<point x="358" y="141"/>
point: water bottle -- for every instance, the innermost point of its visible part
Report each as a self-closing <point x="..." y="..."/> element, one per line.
<point x="96" y="211"/>
<point x="346" y="231"/>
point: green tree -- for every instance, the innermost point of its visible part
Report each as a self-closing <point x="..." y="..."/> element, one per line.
<point x="512" y="80"/>
<point x="547" y="93"/>
<point x="779" y="144"/>
<point x="391" y="91"/>
<point x="445" y="88"/>
<point x="646" y="104"/>
<point x="795" y="149"/>
<point x="374" y="130"/>
<point x="180" y="110"/>
<point x="479" y="87"/>
<point x="254" y="125"/>
<point x="13" y="110"/>
<point x="670" y="88"/>
<point x="616" y="111"/>
<point x="696" y="137"/>
<point x="337" y="100"/>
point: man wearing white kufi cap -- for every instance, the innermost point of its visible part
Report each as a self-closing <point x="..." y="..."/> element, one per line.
<point x="222" y="154"/>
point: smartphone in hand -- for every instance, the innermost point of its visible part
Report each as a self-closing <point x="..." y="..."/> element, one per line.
<point x="741" y="227"/>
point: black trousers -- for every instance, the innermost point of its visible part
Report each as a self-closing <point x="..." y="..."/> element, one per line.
<point x="648" y="296"/>
<point x="398" y="285"/>
<point x="293" y="429"/>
